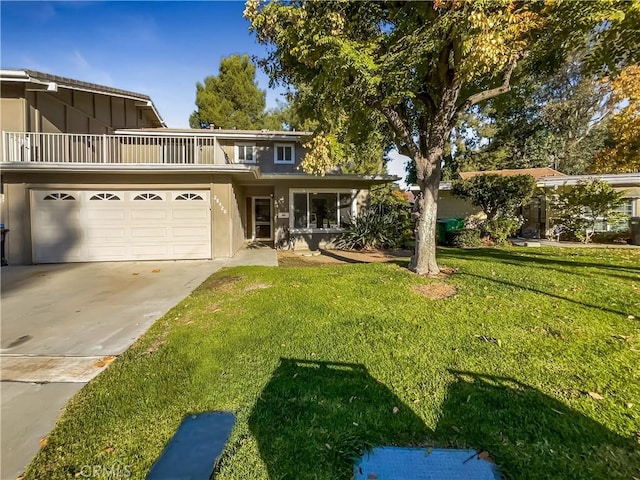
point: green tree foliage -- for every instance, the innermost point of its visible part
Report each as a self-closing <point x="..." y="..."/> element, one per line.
<point x="496" y="195"/>
<point x="558" y="122"/>
<point x="232" y="99"/>
<point x="576" y="210"/>
<point x="621" y="152"/>
<point x="420" y="65"/>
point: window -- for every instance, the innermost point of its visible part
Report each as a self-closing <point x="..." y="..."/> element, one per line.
<point x="148" y="196"/>
<point x="626" y="209"/>
<point x="245" y="152"/>
<point x="105" y="196"/>
<point x="321" y="209"/>
<point x="188" y="196"/>
<point x="59" y="196"/>
<point x="284" y="153"/>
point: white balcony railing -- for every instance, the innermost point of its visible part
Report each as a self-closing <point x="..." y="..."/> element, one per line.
<point x="110" y="149"/>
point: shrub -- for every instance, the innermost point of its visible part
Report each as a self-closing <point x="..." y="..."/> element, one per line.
<point x="370" y="229"/>
<point x="621" y="236"/>
<point x="385" y="224"/>
<point x="496" y="195"/>
<point x="498" y="229"/>
<point x="577" y="210"/>
<point x="464" y="238"/>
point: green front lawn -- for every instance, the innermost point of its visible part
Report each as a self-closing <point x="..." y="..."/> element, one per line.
<point x="535" y="359"/>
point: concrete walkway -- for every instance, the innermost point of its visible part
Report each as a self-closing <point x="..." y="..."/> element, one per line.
<point x="254" y="254"/>
<point x="62" y="323"/>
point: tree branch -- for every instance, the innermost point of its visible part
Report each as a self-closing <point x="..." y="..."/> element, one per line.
<point x="590" y="127"/>
<point x="487" y="94"/>
<point x="401" y="130"/>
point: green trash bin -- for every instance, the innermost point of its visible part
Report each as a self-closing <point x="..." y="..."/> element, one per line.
<point x="448" y="225"/>
<point x="634" y="230"/>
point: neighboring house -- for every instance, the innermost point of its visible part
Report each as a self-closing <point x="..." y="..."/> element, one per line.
<point x="90" y="173"/>
<point x="536" y="212"/>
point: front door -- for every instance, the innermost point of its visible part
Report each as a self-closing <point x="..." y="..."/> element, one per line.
<point x="262" y="218"/>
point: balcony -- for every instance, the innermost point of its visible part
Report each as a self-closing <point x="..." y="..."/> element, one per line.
<point x="83" y="149"/>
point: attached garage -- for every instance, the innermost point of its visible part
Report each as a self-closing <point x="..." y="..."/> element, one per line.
<point x="118" y="225"/>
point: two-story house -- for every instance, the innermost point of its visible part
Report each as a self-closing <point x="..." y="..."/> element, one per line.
<point x="90" y="173"/>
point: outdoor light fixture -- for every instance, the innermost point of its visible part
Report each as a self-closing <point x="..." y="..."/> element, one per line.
<point x="52" y="87"/>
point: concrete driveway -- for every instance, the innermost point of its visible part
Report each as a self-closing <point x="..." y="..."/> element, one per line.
<point x="59" y="321"/>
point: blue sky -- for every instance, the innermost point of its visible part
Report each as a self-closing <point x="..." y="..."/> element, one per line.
<point x="157" y="48"/>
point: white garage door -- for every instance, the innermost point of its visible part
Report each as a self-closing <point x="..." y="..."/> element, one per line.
<point x="111" y="225"/>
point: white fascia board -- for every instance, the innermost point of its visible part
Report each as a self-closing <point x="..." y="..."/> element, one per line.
<point x="442" y="186"/>
<point x="127" y="168"/>
<point x="210" y="133"/>
<point x="305" y="176"/>
<point x="628" y="179"/>
<point x="13" y="75"/>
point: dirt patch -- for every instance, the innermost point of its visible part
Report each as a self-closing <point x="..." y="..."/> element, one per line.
<point x="436" y="291"/>
<point x="257" y="286"/>
<point x="446" y="272"/>
<point x="337" y="257"/>
<point x="158" y="342"/>
<point x="213" y="307"/>
<point x="223" y="283"/>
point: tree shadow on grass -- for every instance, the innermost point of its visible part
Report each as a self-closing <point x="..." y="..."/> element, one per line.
<point x="542" y="292"/>
<point x="525" y="257"/>
<point x="529" y="434"/>
<point x="314" y="420"/>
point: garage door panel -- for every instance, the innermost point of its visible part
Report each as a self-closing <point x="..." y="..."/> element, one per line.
<point x="150" y="250"/>
<point x="59" y="253"/>
<point x="196" y="232"/>
<point x="58" y="216"/>
<point x="190" y="213"/>
<point x="189" y="251"/>
<point x="149" y="214"/>
<point x="97" y="234"/>
<point x="158" y="233"/>
<point x="78" y="226"/>
<point x="107" y="213"/>
<point x="105" y="252"/>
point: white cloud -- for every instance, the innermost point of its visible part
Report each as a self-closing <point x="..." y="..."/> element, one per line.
<point x="84" y="70"/>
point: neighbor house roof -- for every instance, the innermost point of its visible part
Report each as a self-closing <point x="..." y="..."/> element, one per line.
<point x="553" y="178"/>
<point x="534" y="172"/>
<point x="53" y="82"/>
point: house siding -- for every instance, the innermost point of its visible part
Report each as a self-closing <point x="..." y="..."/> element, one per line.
<point x="265" y="151"/>
<point x="13" y="109"/>
<point x="310" y="240"/>
<point x="535" y="213"/>
<point x="227" y="203"/>
<point x="68" y="111"/>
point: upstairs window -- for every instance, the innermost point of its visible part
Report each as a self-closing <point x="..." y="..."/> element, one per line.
<point x="245" y="152"/>
<point x="284" y="153"/>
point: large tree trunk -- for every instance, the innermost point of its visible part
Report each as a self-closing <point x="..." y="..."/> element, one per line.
<point x="429" y="170"/>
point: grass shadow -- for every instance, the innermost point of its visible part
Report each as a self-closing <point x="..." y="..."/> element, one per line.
<point x="529" y="434"/>
<point x="342" y="258"/>
<point x="539" y="258"/>
<point x="542" y="292"/>
<point x="313" y="419"/>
